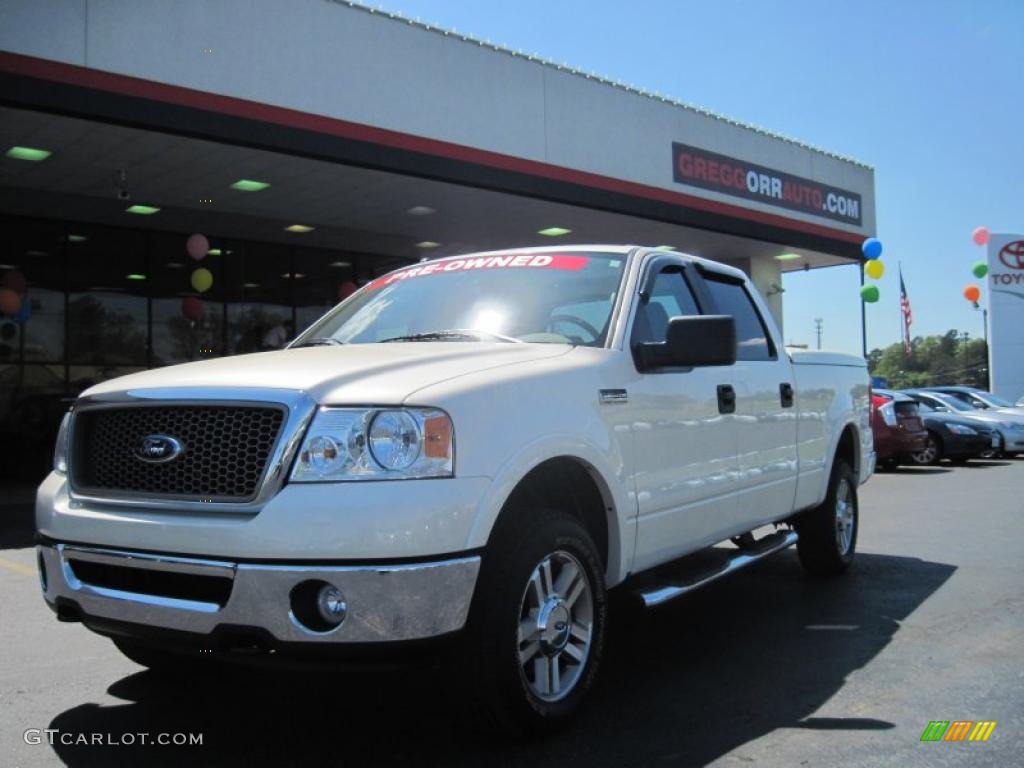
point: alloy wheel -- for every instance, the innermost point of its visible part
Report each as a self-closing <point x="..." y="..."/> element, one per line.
<point x="556" y="620"/>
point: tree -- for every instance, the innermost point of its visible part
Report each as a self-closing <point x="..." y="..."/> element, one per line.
<point x="951" y="358"/>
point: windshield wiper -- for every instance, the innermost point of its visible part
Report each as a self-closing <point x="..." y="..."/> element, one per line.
<point x="470" y="334"/>
<point x="323" y="341"/>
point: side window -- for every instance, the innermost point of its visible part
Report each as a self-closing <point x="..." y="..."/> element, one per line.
<point x="671" y="297"/>
<point x="752" y="342"/>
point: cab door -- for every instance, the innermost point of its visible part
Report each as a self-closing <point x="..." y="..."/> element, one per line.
<point x="766" y="412"/>
<point x="685" y="440"/>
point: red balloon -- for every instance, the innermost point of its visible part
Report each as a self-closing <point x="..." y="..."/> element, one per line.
<point x="980" y="236"/>
<point x="192" y="308"/>
<point x="15" y="280"/>
<point x="346" y="289"/>
<point x="10" y="302"/>
<point x="972" y="293"/>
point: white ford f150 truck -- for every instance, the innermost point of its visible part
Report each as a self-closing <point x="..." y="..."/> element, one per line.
<point x="472" y="449"/>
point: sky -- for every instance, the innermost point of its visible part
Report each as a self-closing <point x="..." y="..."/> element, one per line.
<point x="929" y="93"/>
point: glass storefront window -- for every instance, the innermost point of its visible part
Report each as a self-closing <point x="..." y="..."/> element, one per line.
<point x="327" y="279"/>
<point x="98" y="302"/>
<point x="260" y="284"/>
<point x="108" y="309"/>
<point x="32" y="276"/>
<point x="187" y="325"/>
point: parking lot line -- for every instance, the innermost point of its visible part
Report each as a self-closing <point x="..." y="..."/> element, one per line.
<point x="17" y="567"/>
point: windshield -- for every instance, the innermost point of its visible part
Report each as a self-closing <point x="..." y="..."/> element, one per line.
<point x="554" y="297"/>
<point x="952" y="402"/>
<point x="995" y="400"/>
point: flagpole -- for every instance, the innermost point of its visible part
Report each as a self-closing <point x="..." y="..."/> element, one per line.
<point x="863" y="318"/>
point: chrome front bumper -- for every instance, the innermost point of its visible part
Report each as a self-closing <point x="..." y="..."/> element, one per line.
<point x="385" y="602"/>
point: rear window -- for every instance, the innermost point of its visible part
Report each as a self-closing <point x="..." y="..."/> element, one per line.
<point x="906" y="409"/>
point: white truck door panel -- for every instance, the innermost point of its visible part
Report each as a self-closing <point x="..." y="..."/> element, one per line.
<point x="767" y="428"/>
<point x="685" y="449"/>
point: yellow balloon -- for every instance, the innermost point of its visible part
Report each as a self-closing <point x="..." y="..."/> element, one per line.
<point x="874" y="269"/>
<point x="202" y="279"/>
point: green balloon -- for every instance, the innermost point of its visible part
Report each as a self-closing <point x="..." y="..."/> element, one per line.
<point x="870" y="293"/>
<point x="979" y="268"/>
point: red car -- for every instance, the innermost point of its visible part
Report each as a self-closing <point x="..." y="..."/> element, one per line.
<point x="896" y="426"/>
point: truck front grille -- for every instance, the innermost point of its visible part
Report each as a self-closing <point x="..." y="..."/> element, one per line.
<point x="224" y="450"/>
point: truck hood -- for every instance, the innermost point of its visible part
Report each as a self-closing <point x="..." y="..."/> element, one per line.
<point x="383" y="374"/>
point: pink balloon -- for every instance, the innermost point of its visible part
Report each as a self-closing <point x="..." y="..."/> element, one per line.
<point x="10" y="302"/>
<point x="15" y="281"/>
<point x="197" y="245"/>
<point x="192" y="308"/>
<point x="980" y="236"/>
<point x="346" y="289"/>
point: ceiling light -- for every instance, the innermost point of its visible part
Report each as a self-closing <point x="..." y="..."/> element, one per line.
<point x="213" y="252"/>
<point x="296" y="275"/>
<point x="248" y="185"/>
<point x="174" y="265"/>
<point x="427" y="244"/>
<point x="8" y="266"/>
<point x="301" y="228"/>
<point x="36" y="253"/>
<point x="77" y="238"/>
<point x="341" y="264"/>
<point x="142" y="210"/>
<point x="134" y="276"/>
<point x="250" y="285"/>
<point x="788" y="257"/>
<point x="554" y="231"/>
<point x="420" y="210"/>
<point x="28" y="153"/>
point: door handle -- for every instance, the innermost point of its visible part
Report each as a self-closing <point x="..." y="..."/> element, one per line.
<point x="786" y="394"/>
<point x="726" y="398"/>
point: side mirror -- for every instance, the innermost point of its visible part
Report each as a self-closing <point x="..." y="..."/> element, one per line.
<point x="690" y="342"/>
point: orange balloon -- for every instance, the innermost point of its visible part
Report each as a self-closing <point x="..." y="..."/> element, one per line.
<point x="972" y="293"/>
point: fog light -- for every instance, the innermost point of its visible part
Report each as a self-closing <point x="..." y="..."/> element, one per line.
<point x="330" y="602"/>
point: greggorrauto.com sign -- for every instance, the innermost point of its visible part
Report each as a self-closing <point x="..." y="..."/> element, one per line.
<point x="731" y="176"/>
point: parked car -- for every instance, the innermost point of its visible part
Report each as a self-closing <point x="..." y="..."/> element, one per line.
<point x="952" y="436"/>
<point x="479" y="446"/>
<point x="1008" y="426"/>
<point x="980" y="399"/>
<point x="897" y="427"/>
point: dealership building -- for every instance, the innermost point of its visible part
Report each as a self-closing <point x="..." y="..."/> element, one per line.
<point x="316" y="144"/>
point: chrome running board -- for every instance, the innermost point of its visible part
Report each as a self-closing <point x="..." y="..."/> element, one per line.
<point x="656" y="594"/>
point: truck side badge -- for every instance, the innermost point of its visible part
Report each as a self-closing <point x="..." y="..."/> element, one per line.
<point x="613" y="396"/>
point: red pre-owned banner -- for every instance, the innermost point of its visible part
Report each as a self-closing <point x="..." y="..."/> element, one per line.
<point x="503" y="261"/>
<point x="731" y="176"/>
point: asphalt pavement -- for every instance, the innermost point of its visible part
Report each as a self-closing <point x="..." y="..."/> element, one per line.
<point x="767" y="667"/>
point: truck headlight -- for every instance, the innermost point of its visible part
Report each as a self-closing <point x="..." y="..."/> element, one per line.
<point x="376" y="444"/>
<point x="60" y="450"/>
<point x="961" y="429"/>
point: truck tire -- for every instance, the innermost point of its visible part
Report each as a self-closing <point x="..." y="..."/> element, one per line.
<point x="537" y="625"/>
<point x="828" y="533"/>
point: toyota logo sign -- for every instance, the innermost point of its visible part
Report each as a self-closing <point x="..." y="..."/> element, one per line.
<point x="1012" y="254"/>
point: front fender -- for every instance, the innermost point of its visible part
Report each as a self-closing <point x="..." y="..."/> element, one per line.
<point x="611" y="479"/>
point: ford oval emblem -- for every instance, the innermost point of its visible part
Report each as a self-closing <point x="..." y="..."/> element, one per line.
<point x="157" y="449"/>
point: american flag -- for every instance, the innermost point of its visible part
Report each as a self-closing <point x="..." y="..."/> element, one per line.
<point x="908" y="316"/>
